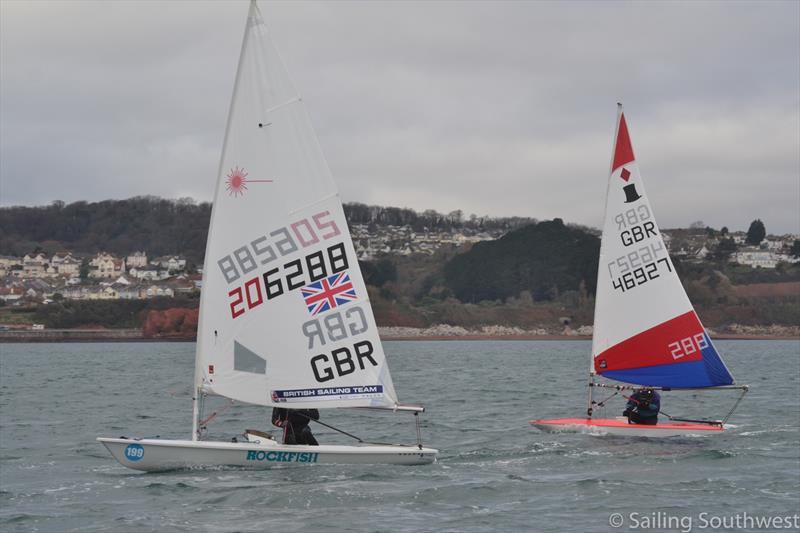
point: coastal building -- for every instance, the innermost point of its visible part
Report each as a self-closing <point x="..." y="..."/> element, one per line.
<point x="148" y="273"/>
<point x="11" y="294"/>
<point x="130" y="292"/>
<point x="101" y="293"/>
<point x="35" y="265"/>
<point x="171" y="263"/>
<point x="761" y="258"/>
<point x="136" y="260"/>
<point x="154" y="291"/>
<point x="105" y="265"/>
<point x="182" y="285"/>
<point x="9" y="264"/>
<point x="64" y="264"/>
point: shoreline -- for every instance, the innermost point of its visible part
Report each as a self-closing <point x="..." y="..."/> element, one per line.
<point x="723" y="337"/>
<point x="132" y="335"/>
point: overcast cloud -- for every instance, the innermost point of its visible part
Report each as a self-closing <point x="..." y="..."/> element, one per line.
<point x="493" y="108"/>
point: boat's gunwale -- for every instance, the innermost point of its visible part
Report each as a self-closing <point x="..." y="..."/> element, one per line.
<point x="323" y="448"/>
<point x="617" y="423"/>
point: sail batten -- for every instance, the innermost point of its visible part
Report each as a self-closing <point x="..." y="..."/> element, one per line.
<point x="646" y="331"/>
<point x="285" y="318"/>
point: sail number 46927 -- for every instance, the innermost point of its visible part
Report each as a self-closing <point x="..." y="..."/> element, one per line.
<point x="641" y="275"/>
<point x="637" y="267"/>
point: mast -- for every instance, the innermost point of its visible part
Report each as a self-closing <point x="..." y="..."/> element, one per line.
<point x="207" y="262"/>
<point x="589" y="408"/>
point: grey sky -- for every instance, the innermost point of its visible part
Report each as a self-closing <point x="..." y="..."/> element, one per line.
<point x="493" y="108"/>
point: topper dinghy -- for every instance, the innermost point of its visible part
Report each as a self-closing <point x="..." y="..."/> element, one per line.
<point x="646" y="332"/>
<point x="285" y="320"/>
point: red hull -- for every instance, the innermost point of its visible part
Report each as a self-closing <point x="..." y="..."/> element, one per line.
<point x="620" y="426"/>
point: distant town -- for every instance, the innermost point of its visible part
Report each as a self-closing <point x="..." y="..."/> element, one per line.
<point x="132" y="268"/>
<point x="37" y="278"/>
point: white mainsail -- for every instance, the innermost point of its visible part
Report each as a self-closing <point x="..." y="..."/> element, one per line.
<point x="285" y="319"/>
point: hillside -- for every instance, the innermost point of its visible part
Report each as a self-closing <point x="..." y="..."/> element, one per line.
<point x="428" y="269"/>
<point x="179" y="227"/>
<point x="544" y="259"/>
<point x="120" y="227"/>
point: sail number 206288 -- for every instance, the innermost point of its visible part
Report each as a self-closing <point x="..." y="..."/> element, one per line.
<point x="267" y="249"/>
<point x="289" y="277"/>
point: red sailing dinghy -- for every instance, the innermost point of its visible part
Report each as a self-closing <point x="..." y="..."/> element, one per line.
<point x="646" y="332"/>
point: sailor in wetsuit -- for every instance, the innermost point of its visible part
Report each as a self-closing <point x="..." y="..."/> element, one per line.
<point x="295" y="425"/>
<point x="643" y="407"/>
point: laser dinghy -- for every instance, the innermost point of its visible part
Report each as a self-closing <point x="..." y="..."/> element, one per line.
<point x="285" y="319"/>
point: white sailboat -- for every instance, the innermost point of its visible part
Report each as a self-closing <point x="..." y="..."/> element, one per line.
<point x="285" y="320"/>
<point x="646" y="332"/>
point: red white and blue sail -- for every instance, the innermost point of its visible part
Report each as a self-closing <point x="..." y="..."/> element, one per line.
<point x="646" y="331"/>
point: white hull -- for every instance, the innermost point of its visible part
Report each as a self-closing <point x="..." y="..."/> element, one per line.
<point x="153" y="455"/>
<point x="620" y="426"/>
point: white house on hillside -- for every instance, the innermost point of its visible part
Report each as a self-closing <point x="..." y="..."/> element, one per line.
<point x="756" y="258"/>
<point x="65" y="265"/>
<point x="172" y="263"/>
<point x="136" y="260"/>
<point x="105" y="265"/>
<point x="35" y="265"/>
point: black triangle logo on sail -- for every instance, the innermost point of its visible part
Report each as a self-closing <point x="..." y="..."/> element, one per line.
<point x="246" y="360"/>
<point x="630" y="193"/>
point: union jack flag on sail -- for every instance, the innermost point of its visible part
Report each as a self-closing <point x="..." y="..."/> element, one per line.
<point x="328" y="293"/>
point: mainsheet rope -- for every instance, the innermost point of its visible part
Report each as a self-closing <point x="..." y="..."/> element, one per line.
<point x="343" y="432"/>
<point x="231" y="403"/>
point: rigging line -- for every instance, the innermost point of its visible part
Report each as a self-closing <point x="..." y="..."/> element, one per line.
<point x="276" y="107"/>
<point x="359" y="439"/>
<point x="419" y="431"/>
<point x="675" y="418"/>
<point x="670" y="389"/>
<point x="741" y="397"/>
<point x="315" y="202"/>
<point x="696" y="421"/>
<point x="634" y="400"/>
<point x="602" y="403"/>
<point x="213" y="415"/>
<point x="362" y="441"/>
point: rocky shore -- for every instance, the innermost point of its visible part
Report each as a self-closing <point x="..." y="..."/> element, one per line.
<point x="73" y="335"/>
<point x="738" y="331"/>
<point x="446" y="331"/>
<point x="436" y="332"/>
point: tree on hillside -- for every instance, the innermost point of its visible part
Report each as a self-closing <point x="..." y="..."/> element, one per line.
<point x="379" y="273"/>
<point x="84" y="270"/>
<point x="723" y="231"/>
<point x="756" y="233"/>
<point x="795" y="251"/>
<point x="545" y="259"/>
<point x="725" y="248"/>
